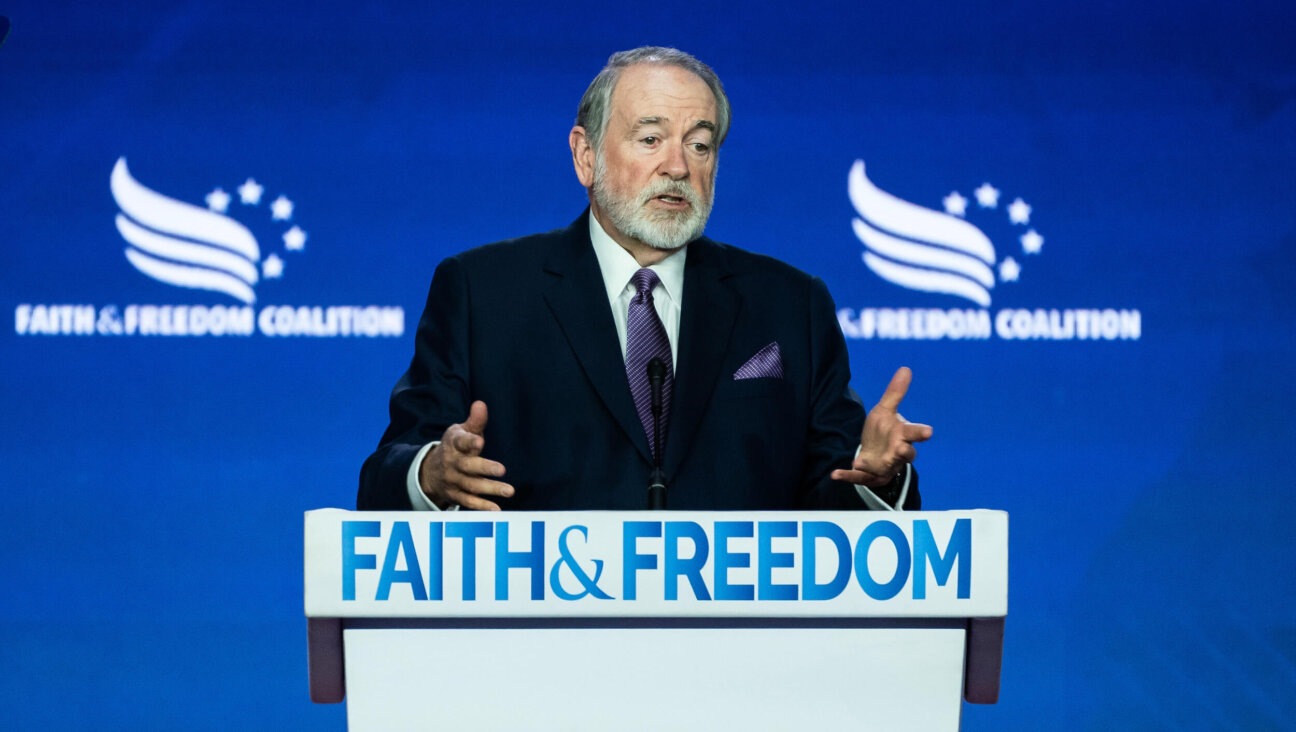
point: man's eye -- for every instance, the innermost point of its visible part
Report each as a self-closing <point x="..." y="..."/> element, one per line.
<point x="650" y="140"/>
<point x="701" y="147"/>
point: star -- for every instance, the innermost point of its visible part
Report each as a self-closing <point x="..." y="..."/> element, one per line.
<point x="294" y="239"/>
<point x="218" y="201"/>
<point x="987" y="196"/>
<point x="281" y="209"/>
<point x="250" y="192"/>
<point x="272" y="267"/>
<point x="1009" y="270"/>
<point x="955" y="204"/>
<point x="1019" y="212"/>
<point x="1031" y="242"/>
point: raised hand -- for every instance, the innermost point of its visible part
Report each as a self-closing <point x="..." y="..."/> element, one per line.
<point x="887" y="442"/>
<point x="454" y="473"/>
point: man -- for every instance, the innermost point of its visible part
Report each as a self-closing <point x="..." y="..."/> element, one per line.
<point x="529" y="387"/>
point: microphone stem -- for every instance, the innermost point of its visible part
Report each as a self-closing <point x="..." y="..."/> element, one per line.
<point x="657" y="482"/>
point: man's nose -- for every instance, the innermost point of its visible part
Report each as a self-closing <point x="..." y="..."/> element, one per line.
<point x="676" y="163"/>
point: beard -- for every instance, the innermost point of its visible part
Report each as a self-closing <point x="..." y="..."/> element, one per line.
<point x="658" y="229"/>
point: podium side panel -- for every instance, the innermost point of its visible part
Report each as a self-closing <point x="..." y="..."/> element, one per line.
<point x="984" y="660"/>
<point x="324" y="659"/>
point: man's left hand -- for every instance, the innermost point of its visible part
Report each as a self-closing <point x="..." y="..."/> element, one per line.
<point x="886" y="443"/>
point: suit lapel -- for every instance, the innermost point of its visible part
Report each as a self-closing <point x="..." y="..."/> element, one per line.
<point x="707" y="316"/>
<point x="578" y="300"/>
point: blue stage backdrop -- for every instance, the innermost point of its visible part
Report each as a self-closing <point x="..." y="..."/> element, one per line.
<point x="1094" y="287"/>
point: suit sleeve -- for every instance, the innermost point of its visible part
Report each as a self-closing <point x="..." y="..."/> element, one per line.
<point x="431" y="395"/>
<point x="836" y="416"/>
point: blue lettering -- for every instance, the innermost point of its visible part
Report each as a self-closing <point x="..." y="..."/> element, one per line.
<point x="812" y="531"/>
<point x="891" y="588"/>
<point x="632" y="560"/>
<point x="690" y="568"/>
<point x="435" y="554"/>
<point x="469" y="532"/>
<point x="352" y="561"/>
<point x="532" y="559"/>
<point x="767" y="559"/>
<point x="725" y="559"/>
<point x="401" y="542"/>
<point x="925" y="552"/>
<point x="590" y="584"/>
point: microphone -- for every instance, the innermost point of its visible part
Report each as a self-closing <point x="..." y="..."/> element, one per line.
<point x="657" y="481"/>
<point x="4" y="29"/>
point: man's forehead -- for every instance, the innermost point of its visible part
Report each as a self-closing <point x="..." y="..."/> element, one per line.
<point x="658" y="119"/>
<point x="660" y="94"/>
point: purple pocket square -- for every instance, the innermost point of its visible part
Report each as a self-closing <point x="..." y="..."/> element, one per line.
<point x="766" y="364"/>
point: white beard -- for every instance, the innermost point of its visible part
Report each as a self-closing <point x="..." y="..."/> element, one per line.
<point x="657" y="228"/>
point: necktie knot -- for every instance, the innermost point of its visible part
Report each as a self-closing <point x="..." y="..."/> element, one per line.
<point x="644" y="281"/>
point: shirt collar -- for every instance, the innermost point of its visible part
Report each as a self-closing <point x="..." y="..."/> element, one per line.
<point x="618" y="265"/>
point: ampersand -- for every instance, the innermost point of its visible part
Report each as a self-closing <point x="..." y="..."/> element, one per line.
<point x="109" y="323"/>
<point x="566" y="559"/>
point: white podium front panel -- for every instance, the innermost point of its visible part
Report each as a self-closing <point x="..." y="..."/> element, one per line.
<point x="654" y="679"/>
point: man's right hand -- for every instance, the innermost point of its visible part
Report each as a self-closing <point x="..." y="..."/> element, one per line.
<point x="454" y="473"/>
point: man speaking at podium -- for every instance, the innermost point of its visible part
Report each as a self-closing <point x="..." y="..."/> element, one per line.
<point x="577" y="368"/>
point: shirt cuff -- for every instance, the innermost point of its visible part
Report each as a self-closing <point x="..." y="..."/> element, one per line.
<point x="418" y="499"/>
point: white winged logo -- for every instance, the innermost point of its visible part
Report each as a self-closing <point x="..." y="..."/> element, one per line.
<point x="182" y="244"/>
<point x="920" y="248"/>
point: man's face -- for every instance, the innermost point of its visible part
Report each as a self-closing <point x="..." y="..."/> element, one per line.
<point x="655" y="172"/>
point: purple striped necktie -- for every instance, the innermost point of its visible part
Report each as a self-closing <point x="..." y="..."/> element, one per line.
<point x="645" y="340"/>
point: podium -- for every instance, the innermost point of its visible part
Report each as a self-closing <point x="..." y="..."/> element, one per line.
<point x="655" y="620"/>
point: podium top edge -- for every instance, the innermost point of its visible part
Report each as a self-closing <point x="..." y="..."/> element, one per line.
<point x="493" y="515"/>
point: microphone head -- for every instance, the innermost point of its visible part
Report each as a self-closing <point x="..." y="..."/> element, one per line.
<point x="656" y="369"/>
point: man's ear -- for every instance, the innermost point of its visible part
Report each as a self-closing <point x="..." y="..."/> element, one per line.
<point x="582" y="156"/>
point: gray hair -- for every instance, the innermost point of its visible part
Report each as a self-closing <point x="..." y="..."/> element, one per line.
<point x="594" y="105"/>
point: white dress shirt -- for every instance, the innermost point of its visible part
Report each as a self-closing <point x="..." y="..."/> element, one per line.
<point x="618" y="267"/>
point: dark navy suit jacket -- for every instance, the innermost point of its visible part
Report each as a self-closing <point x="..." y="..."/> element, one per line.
<point x="524" y="325"/>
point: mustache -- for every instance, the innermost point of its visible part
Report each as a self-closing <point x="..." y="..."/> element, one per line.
<point x="667" y="187"/>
